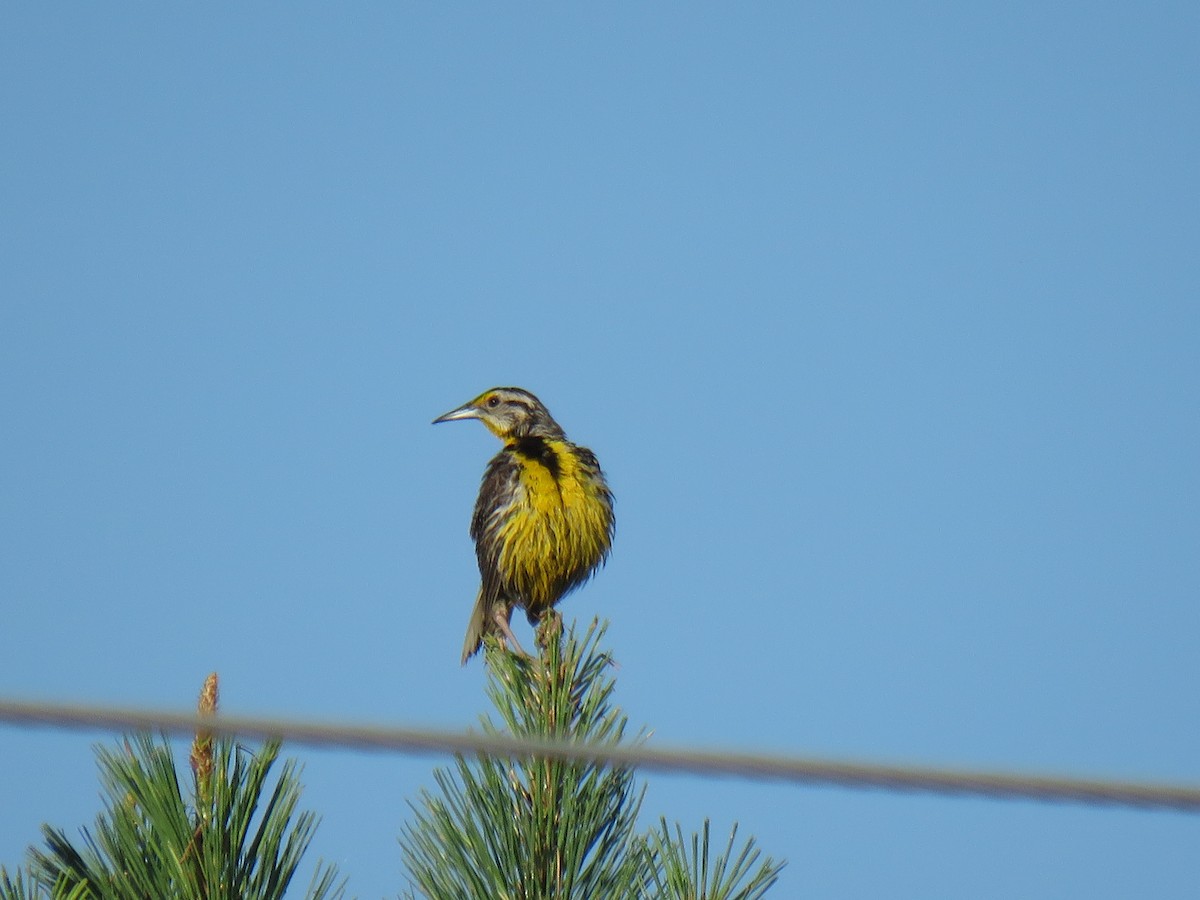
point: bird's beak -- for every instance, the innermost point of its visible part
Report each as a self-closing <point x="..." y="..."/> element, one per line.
<point x="463" y="412"/>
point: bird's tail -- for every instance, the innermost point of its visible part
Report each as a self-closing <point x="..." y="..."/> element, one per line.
<point x="475" y="629"/>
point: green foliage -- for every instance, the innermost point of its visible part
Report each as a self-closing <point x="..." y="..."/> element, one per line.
<point x="24" y="887"/>
<point x="685" y="871"/>
<point x="535" y="828"/>
<point x="240" y="837"/>
<point x="495" y="829"/>
<point x="542" y="829"/>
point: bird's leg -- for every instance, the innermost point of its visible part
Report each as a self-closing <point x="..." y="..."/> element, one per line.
<point x="500" y="616"/>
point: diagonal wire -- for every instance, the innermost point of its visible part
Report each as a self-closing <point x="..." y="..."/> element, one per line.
<point x="735" y="764"/>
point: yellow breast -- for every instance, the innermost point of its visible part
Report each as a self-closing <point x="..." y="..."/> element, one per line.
<point x="558" y="531"/>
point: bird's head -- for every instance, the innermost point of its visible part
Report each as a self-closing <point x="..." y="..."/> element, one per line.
<point x="508" y="412"/>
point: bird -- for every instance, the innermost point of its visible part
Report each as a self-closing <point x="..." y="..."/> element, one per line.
<point x="543" y="522"/>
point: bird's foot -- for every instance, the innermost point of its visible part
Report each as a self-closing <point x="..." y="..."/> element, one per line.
<point x="550" y="629"/>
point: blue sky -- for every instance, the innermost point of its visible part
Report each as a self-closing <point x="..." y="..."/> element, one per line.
<point x="883" y="320"/>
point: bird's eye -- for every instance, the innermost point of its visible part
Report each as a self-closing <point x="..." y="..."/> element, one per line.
<point x="493" y="401"/>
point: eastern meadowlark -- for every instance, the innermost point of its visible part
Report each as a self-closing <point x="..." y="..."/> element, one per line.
<point x="543" y="522"/>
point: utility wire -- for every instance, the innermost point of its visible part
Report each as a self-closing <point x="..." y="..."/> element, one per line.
<point x="1182" y="798"/>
